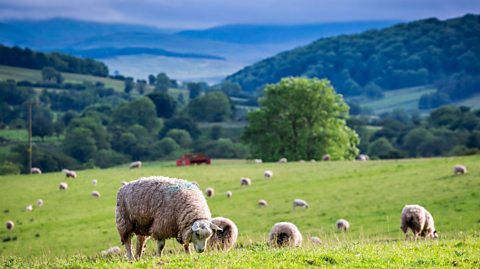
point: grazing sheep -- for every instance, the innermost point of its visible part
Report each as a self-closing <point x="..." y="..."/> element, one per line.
<point x="326" y="157"/>
<point x="9" y="225"/>
<point x="229" y="194"/>
<point x="313" y="160"/>
<point x="363" y="157"/>
<point x="63" y="186"/>
<point x="95" y="194"/>
<point x="419" y="220"/>
<point x="283" y="160"/>
<point x="459" y="169"/>
<point x="258" y="161"/>
<point x="301" y="161"/>
<point x="245" y="181"/>
<point x="209" y="192"/>
<point x="268" y="174"/>
<point x="300" y="203"/>
<point x="137" y="164"/>
<point x="342" y="225"/>
<point x="315" y="240"/>
<point x="35" y="170"/>
<point x="113" y="251"/>
<point x="262" y="203"/>
<point x="94" y="182"/>
<point x="226" y="238"/>
<point x="39" y="202"/>
<point x="70" y="173"/>
<point x="29" y="208"/>
<point x="285" y="234"/>
<point x="163" y="208"/>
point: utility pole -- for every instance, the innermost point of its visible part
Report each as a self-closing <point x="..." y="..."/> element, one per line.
<point x="30" y="137"/>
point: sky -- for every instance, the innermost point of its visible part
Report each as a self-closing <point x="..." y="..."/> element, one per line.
<point x="181" y="14"/>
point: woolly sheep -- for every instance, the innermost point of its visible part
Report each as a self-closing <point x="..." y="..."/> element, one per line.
<point x="419" y="220"/>
<point x="342" y="225"/>
<point x="262" y="203"/>
<point x="268" y="174"/>
<point x="326" y="157"/>
<point x="136" y="164"/>
<point x="459" y="169"/>
<point x="70" y="173"/>
<point x="29" y="208"/>
<point x="94" y="182"/>
<point x="9" y="225"/>
<point x="226" y="238"/>
<point x="63" y="186"/>
<point x="35" y="170"/>
<point x="111" y="251"/>
<point x="300" y="203"/>
<point x="313" y="160"/>
<point x="258" y="161"/>
<point x="209" y="192"/>
<point x="285" y="234"/>
<point x="163" y="208"/>
<point x="315" y="240"/>
<point x="363" y="157"/>
<point x="95" y="194"/>
<point x="39" y="202"/>
<point x="283" y="160"/>
<point x="301" y="161"/>
<point x="245" y="181"/>
<point x="229" y="194"/>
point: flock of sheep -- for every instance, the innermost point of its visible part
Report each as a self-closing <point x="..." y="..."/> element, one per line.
<point x="162" y="208"/>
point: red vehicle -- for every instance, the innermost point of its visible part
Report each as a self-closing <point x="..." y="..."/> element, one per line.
<point x="193" y="158"/>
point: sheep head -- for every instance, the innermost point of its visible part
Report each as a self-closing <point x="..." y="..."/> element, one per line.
<point x="202" y="230"/>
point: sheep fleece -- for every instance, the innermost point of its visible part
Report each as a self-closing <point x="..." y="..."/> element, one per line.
<point x="161" y="207"/>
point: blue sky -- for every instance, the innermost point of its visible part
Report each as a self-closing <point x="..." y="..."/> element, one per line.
<point x="207" y="13"/>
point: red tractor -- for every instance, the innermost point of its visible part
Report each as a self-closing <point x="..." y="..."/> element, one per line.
<point x="193" y="158"/>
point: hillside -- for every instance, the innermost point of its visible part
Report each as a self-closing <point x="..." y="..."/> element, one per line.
<point x="404" y="55"/>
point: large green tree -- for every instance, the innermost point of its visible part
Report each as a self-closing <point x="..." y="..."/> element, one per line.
<point x="301" y="118"/>
<point x="212" y="107"/>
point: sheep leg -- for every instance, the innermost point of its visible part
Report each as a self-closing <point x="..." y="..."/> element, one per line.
<point x="141" y="240"/>
<point x="187" y="248"/>
<point x="128" y="246"/>
<point x="160" y="245"/>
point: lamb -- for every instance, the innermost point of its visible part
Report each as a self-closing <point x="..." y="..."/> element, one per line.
<point x="35" y="170"/>
<point x="63" y="186"/>
<point x="262" y="203"/>
<point x="70" y="173"/>
<point x="258" y="161"/>
<point x="245" y="181"/>
<point x="283" y="160"/>
<point x="285" y="234"/>
<point x="229" y="194"/>
<point x="326" y="157"/>
<point x="163" y="208"/>
<point x="111" y="251"/>
<point x="300" y="203"/>
<point x="226" y="238"/>
<point x="95" y="194"/>
<point x="136" y="164"/>
<point x="315" y="240"/>
<point x="39" y="202"/>
<point x="419" y="220"/>
<point x="9" y="225"/>
<point x="459" y="169"/>
<point x="29" y="208"/>
<point x="209" y="192"/>
<point x="268" y="174"/>
<point x="94" y="182"/>
<point x="363" y="157"/>
<point x="342" y="225"/>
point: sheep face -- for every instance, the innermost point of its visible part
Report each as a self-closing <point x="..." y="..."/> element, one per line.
<point x="202" y="230"/>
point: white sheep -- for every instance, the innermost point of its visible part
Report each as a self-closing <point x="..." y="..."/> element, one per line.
<point x="95" y="194"/>
<point x="209" y="192"/>
<point x="301" y="161"/>
<point x="29" y="208"/>
<point x="113" y="251"/>
<point x="268" y="174"/>
<point x="258" y="161"/>
<point x="245" y="181"/>
<point x="262" y="203"/>
<point x="313" y="160"/>
<point x="35" y="170"/>
<point x="94" y="182"/>
<point x="342" y="225"/>
<point x="283" y="160"/>
<point x="9" y="225"/>
<point x="223" y="239"/>
<point x="300" y="203"/>
<point x="39" y="202"/>
<point x="63" y="186"/>
<point x="70" y="173"/>
<point x="459" y="169"/>
<point x="363" y="157"/>
<point x="136" y="164"/>
<point x="326" y="157"/>
<point x="163" y="208"/>
<point x="285" y="234"/>
<point x="419" y="220"/>
<point x="229" y="194"/>
<point x="315" y="240"/>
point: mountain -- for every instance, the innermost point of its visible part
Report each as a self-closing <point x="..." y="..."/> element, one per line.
<point x="405" y="55"/>
<point x="114" y="52"/>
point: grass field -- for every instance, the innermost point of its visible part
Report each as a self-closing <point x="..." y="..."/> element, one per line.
<point x="72" y="228"/>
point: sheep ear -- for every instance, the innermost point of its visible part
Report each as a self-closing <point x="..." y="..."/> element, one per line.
<point x="215" y="227"/>
<point x="196" y="226"/>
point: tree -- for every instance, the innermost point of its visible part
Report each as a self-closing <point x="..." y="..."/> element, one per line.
<point x="140" y="111"/>
<point x="383" y="149"/>
<point x="212" y="107"/>
<point x="194" y="89"/>
<point x="49" y="74"/>
<point x="163" y="83"/>
<point x="151" y="79"/>
<point x="129" y="85"/>
<point x="164" y="104"/>
<point x="301" y="118"/>
<point x="182" y="137"/>
<point x="80" y="144"/>
<point x="141" y="86"/>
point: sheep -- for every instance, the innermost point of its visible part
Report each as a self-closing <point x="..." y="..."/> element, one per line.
<point x="283" y="160"/>
<point x="313" y="160"/>
<point x="300" y="203"/>
<point x="95" y="194"/>
<point x="459" y="169"/>
<point x="70" y="173"/>
<point x="315" y="240"/>
<point x="39" y="202"/>
<point x="363" y="157"/>
<point x="326" y="157"/>
<point x="136" y="164"/>
<point x="111" y="251"/>
<point x="258" y="161"/>
<point x="245" y="181"/>
<point x="35" y="170"/>
<point x="209" y="192"/>
<point x="163" y="208"/>
<point x="29" y="208"/>
<point x="262" y="203"/>
<point x="9" y="225"/>
<point x="225" y="239"/>
<point x="229" y="194"/>
<point x="268" y="174"/>
<point x="94" y="182"/>
<point x="342" y="225"/>
<point x="63" y="186"/>
<point x="285" y="234"/>
<point x="301" y="161"/>
<point x="419" y="220"/>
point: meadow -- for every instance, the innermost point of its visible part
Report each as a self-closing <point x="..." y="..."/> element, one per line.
<point x="72" y="228"/>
